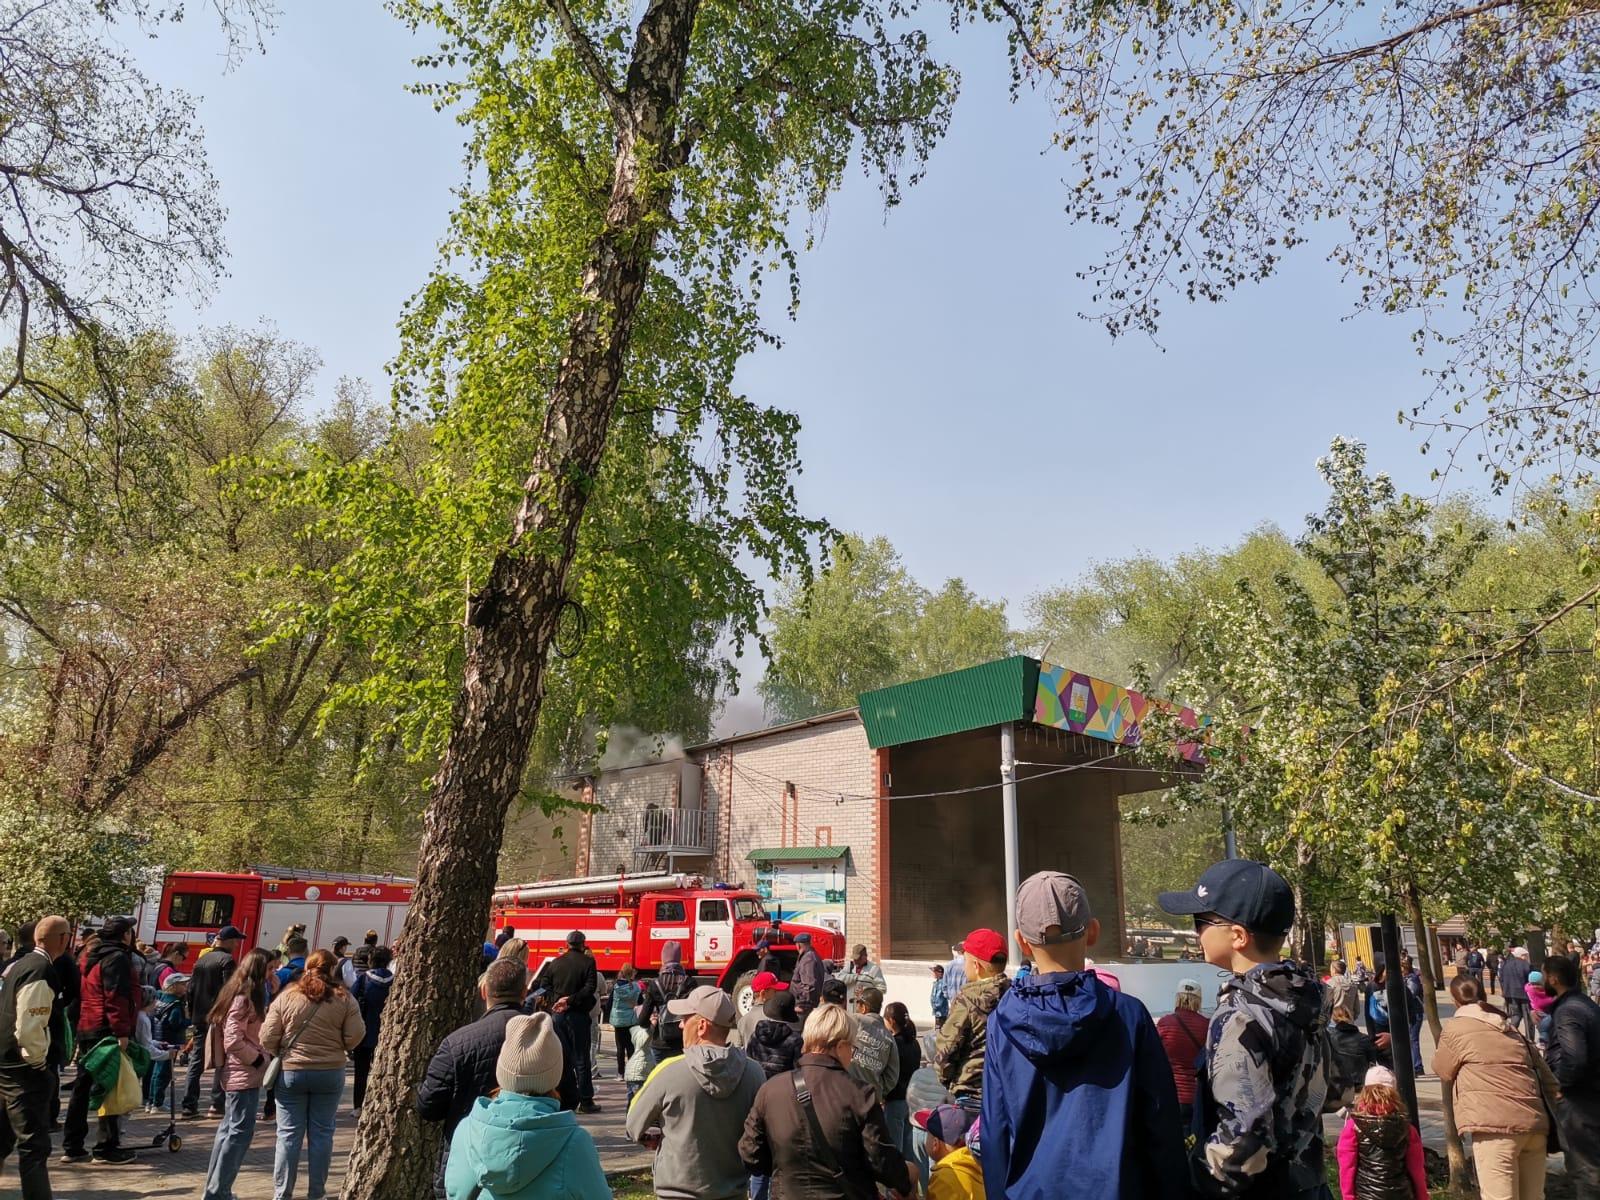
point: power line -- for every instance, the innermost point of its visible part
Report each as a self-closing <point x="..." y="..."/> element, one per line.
<point x="1096" y="764"/>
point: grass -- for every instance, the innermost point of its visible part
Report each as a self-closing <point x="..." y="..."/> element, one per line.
<point x="631" y="1185"/>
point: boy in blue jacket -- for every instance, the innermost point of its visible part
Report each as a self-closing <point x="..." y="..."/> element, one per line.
<point x="1078" y="1097"/>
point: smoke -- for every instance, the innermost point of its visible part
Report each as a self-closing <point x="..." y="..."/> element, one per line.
<point x="627" y="746"/>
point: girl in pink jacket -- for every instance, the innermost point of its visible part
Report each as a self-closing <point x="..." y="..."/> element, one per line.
<point x="234" y="1041"/>
<point x="1380" y="1154"/>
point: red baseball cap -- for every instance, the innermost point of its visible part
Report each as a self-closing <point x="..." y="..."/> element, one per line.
<point x="768" y="982"/>
<point x="985" y="945"/>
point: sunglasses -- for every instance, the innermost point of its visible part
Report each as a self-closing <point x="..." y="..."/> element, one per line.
<point x="1201" y="923"/>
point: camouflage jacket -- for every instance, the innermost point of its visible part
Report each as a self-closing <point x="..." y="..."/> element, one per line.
<point x="965" y="1032"/>
<point x="1264" y="1084"/>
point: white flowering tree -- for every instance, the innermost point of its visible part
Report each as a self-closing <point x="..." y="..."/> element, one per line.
<point x="1357" y="739"/>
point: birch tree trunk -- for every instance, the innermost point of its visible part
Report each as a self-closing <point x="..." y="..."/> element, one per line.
<point x="511" y="625"/>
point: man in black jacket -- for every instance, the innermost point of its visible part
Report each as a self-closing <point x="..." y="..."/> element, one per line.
<point x="462" y="1068"/>
<point x="32" y="1024"/>
<point x="1514" y="972"/>
<point x="1574" y="1056"/>
<point x="205" y="985"/>
<point x="573" y="980"/>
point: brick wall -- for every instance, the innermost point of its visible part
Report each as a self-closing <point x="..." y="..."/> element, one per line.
<point x="745" y="780"/>
<point x="537" y="846"/>
<point x="614" y="833"/>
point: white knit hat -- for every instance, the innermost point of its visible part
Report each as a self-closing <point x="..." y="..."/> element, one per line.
<point x="530" y="1058"/>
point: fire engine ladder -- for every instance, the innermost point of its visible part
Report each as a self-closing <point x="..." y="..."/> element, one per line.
<point x="267" y="872"/>
<point x="598" y="887"/>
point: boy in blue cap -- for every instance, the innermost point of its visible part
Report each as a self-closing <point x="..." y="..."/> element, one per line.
<point x="1078" y="1097"/>
<point x="1258" y="1103"/>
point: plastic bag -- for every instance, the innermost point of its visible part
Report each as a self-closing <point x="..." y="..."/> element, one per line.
<point x="126" y="1095"/>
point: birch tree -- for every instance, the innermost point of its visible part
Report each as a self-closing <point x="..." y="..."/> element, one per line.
<point x="634" y="174"/>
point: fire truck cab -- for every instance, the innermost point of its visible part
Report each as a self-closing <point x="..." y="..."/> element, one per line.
<point x="630" y="919"/>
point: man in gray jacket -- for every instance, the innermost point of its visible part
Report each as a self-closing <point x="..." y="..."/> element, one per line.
<point x="877" y="1059"/>
<point x="807" y="978"/>
<point x="692" y="1109"/>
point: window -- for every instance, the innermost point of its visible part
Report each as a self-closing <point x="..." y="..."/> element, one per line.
<point x="669" y="910"/>
<point x="200" y="910"/>
<point x="749" y="910"/>
<point x="714" y="910"/>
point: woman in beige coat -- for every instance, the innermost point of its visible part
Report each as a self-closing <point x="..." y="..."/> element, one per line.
<point x="1503" y="1094"/>
<point x="313" y="1025"/>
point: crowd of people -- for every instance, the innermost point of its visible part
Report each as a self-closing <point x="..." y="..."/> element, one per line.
<point x="265" y="1034"/>
<point x="824" y="1089"/>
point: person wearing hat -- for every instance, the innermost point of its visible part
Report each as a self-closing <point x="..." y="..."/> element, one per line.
<point x="1514" y="972"/>
<point x="672" y="982"/>
<point x="1076" y="1084"/>
<point x="961" y="1041"/>
<point x="574" y="982"/>
<point x="521" y="1144"/>
<point x="108" y="1008"/>
<point x="463" y="1067"/>
<point x="1183" y="1036"/>
<point x="938" y="1001"/>
<point x="858" y="973"/>
<point x="775" y="1044"/>
<point x="877" y="1061"/>
<point x="693" y="1108"/>
<point x="1379" y="1151"/>
<point x="808" y="977"/>
<point x="762" y="988"/>
<point x="205" y="985"/>
<point x="1263" y="1040"/>
<point x="170" y="1026"/>
<point x="957" y="1175"/>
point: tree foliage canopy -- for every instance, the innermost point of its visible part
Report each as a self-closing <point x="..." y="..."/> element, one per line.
<point x="865" y="623"/>
<point x="1443" y="152"/>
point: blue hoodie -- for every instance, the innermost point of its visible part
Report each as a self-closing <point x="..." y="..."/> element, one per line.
<point x="520" y="1147"/>
<point x="1077" y="1092"/>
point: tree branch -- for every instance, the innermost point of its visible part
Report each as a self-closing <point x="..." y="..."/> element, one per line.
<point x="152" y="747"/>
<point x="1545" y="778"/>
<point x="615" y="100"/>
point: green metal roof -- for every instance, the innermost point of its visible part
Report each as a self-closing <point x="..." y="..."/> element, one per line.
<point x="798" y="854"/>
<point x="991" y="693"/>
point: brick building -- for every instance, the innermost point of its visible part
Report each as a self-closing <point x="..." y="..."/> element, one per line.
<point x="886" y="820"/>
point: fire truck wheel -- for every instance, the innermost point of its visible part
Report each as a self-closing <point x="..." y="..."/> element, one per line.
<point x="744" y="996"/>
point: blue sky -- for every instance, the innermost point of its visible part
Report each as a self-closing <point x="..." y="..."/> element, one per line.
<point x="952" y="399"/>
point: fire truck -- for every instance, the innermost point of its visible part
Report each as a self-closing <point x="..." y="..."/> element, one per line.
<point x="264" y="901"/>
<point x="629" y="918"/>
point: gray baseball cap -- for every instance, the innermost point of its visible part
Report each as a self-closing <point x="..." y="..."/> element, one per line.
<point x="1052" y="898"/>
<point x="706" y="1001"/>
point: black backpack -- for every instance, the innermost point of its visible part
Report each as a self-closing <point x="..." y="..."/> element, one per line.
<point x="150" y="972"/>
<point x="669" y="1026"/>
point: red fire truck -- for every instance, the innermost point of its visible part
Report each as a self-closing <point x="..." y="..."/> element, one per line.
<point x="629" y="918"/>
<point x="264" y="901"/>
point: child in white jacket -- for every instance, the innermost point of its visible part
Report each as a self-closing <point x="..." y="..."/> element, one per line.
<point x="640" y="1062"/>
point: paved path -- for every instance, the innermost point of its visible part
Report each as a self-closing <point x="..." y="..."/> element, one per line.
<point x="161" y="1175"/>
